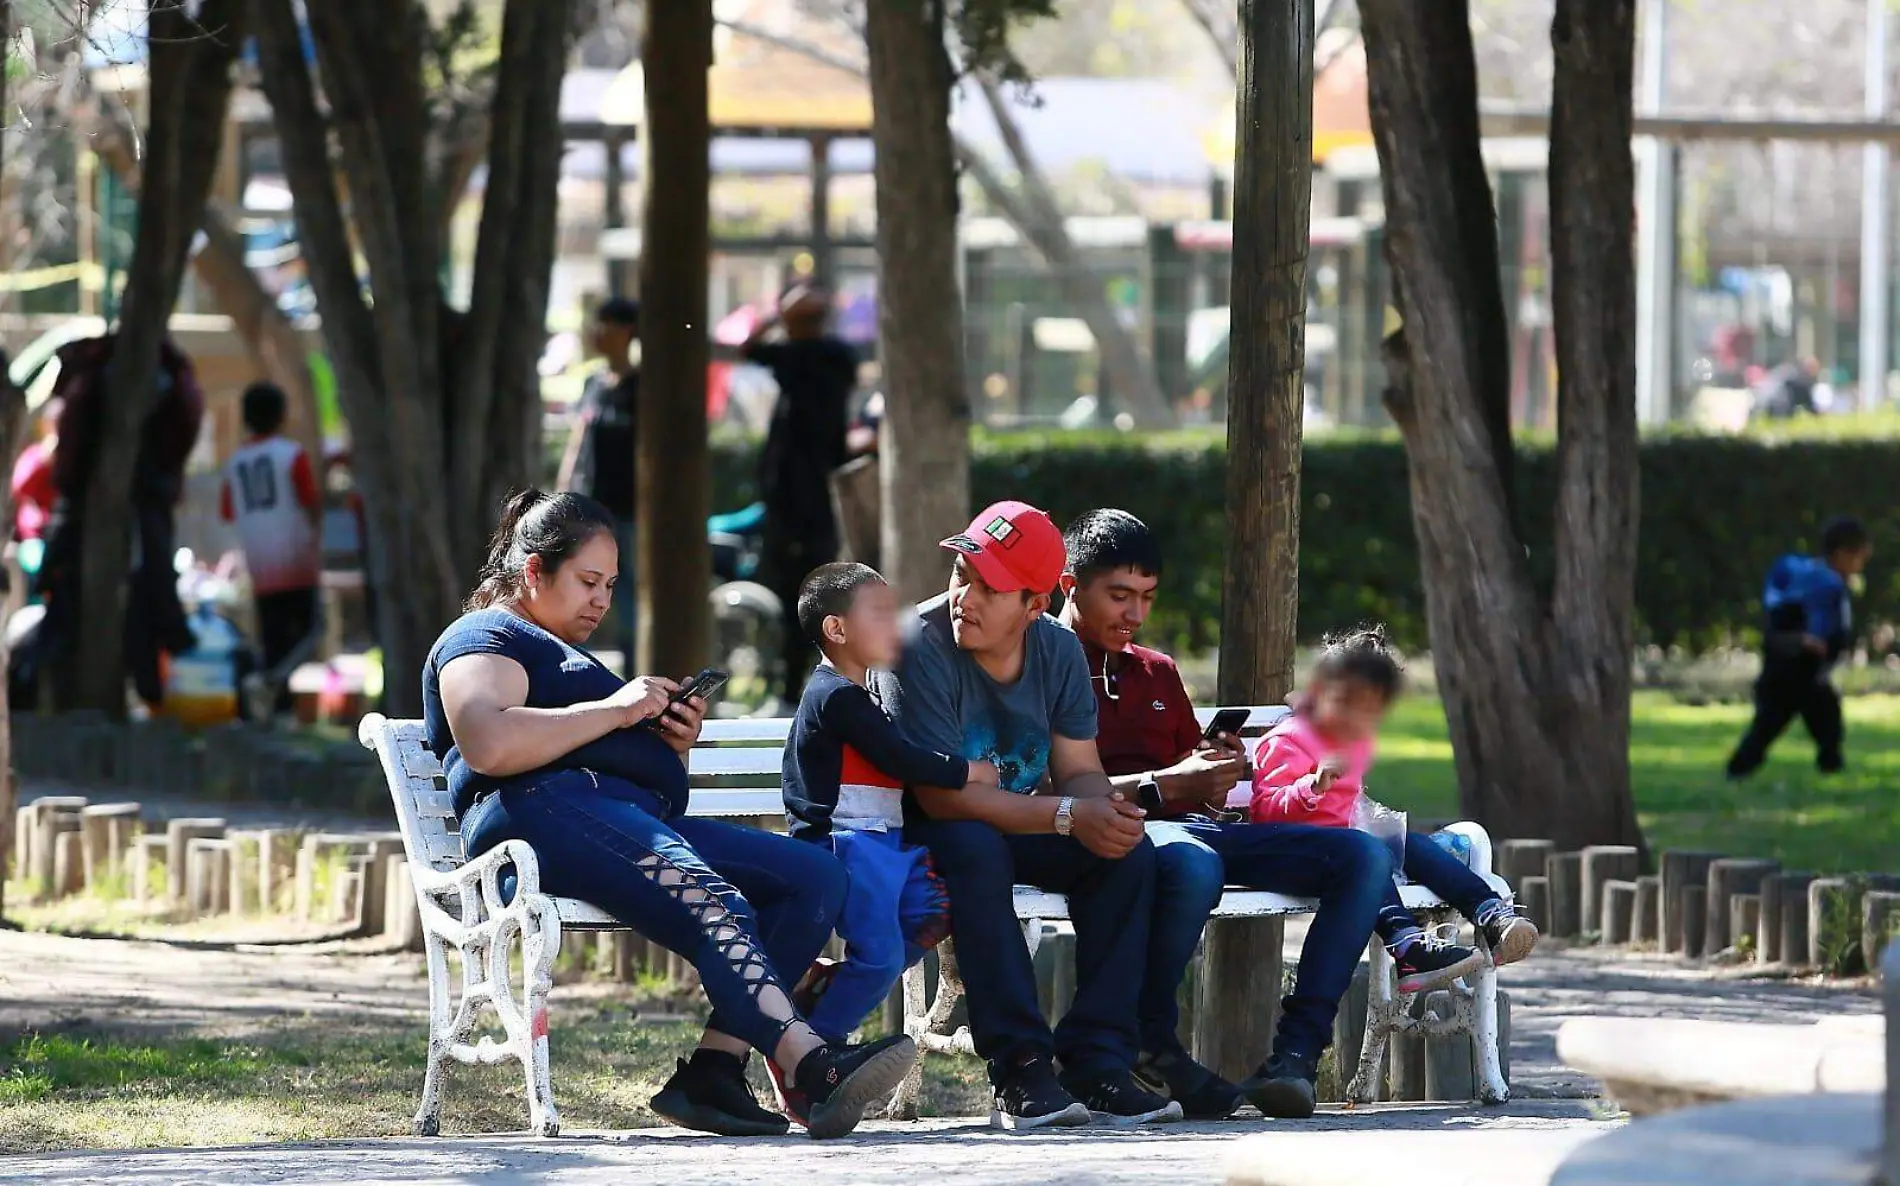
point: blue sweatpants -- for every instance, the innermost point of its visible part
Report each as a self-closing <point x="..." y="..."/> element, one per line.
<point x="895" y="909"/>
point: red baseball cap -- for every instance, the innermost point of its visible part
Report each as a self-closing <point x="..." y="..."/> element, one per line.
<point x="1013" y="547"/>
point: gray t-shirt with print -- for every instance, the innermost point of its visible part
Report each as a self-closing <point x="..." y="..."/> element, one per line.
<point x="943" y="701"/>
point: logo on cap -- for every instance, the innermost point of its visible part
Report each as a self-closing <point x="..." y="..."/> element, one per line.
<point x="1003" y="532"/>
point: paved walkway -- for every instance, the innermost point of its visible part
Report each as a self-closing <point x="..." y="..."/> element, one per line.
<point x="55" y="982"/>
<point x="883" y="1153"/>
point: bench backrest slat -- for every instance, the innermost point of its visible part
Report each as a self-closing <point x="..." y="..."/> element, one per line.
<point x="424" y="810"/>
<point x="735" y="772"/>
<point x="756" y="762"/>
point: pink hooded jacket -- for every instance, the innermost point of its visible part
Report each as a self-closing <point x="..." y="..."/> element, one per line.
<point x="1286" y="774"/>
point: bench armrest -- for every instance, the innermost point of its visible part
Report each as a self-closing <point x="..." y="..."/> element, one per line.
<point x="476" y="889"/>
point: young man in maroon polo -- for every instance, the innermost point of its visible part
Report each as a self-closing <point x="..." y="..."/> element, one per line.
<point x="1146" y="733"/>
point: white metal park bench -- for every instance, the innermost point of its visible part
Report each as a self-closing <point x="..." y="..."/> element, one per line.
<point x="735" y="773"/>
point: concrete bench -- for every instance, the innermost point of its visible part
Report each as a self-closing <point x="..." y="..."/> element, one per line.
<point x="735" y="772"/>
<point x="1658" y="1064"/>
<point x="1841" y="1124"/>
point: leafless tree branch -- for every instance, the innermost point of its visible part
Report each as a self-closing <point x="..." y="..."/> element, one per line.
<point x="1031" y="207"/>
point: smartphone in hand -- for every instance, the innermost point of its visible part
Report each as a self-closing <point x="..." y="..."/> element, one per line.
<point x="1227" y="720"/>
<point x="705" y="686"/>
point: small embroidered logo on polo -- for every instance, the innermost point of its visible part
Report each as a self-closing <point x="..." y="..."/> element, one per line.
<point x="1160" y="707"/>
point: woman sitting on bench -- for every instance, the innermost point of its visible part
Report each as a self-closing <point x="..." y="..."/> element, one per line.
<point x="542" y="743"/>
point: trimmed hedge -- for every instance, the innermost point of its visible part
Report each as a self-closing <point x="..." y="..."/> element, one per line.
<point x="1716" y="511"/>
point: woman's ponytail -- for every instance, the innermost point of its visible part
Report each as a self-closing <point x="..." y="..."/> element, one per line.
<point x="535" y="523"/>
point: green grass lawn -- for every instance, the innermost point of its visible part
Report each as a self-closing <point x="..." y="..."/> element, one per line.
<point x="1846" y="823"/>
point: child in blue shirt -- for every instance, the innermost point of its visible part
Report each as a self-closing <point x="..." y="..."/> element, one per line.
<point x="1810" y="624"/>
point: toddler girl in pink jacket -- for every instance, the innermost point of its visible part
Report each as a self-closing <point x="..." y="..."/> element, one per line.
<point x="1311" y="769"/>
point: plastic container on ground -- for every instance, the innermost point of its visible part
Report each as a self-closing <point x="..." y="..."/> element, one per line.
<point x="201" y="685"/>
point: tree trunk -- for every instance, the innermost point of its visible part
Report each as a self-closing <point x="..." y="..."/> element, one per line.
<point x="1273" y="192"/>
<point x="12" y="416"/>
<point x="444" y="406"/>
<point x="190" y="88"/>
<point x="495" y="393"/>
<point x="397" y="449"/>
<point x="924" y="455"/>
<point x="674" y="487"/>
<point x="1538" y="705"/>
<point x="1592" y="194"/>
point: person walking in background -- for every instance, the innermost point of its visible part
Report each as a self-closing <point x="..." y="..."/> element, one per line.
<point x="1810" y="625"/>
<point x="816" y="372"/>
<point x="270" y="494"/>
<point x="599" y="461"/>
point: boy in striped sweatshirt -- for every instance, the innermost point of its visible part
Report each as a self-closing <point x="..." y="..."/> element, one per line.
<point x="846" y="766"/>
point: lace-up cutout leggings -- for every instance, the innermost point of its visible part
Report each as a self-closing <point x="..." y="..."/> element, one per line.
<point x="749" y="909"/>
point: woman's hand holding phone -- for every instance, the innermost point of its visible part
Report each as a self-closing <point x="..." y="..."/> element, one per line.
<point x="642" y="699"/>
<point x="679" y="724"/>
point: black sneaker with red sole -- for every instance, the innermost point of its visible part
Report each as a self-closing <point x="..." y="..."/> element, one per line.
<point x="839" y="1084"/>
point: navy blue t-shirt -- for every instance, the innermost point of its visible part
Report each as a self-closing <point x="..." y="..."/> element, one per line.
<point x="846" y="763"/>
<point x="559" y="675"/>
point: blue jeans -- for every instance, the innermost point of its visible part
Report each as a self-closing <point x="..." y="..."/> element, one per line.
<point x="1109" y="903"/>
<point x="1429" y="865"/>
<point x="894" y="911"/>
<point x="746" y="907"/>
<point x="1348" y="871"/>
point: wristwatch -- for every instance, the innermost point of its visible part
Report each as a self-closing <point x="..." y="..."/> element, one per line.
<point x="1065" y="815"/>
<point x="1148" y="794"/>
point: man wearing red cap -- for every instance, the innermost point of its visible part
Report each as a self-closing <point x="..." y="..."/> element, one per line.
<point x="988" y="674"/>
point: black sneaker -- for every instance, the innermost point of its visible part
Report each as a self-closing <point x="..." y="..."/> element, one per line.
<point x="1428" y="960"/>
<point x="842" y="1083"/>
<point x="1030" y="1096"/>
<point x="1202" y="1094"/>
<point x="716" y="1100"/>
<point x="1285" y="1088"/>
<point x="1508" y="934"/>
<point x="1117" y="1099"/>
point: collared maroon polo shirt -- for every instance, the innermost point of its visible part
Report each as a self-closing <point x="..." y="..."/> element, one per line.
<point x="1145" y="720"/>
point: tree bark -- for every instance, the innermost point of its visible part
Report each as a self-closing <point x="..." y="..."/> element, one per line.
<point x="1273" y="192"/>
<point x="1592" y="192"/>
<point x="496" y="390"/>
<point x="190" y="88"/>
<point x="673" y="493"/>
<point x="1536" y="692"/>
<point x="443" y="405"/>
<point x="924" y="456"/>
<point x="12" y="416"/>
